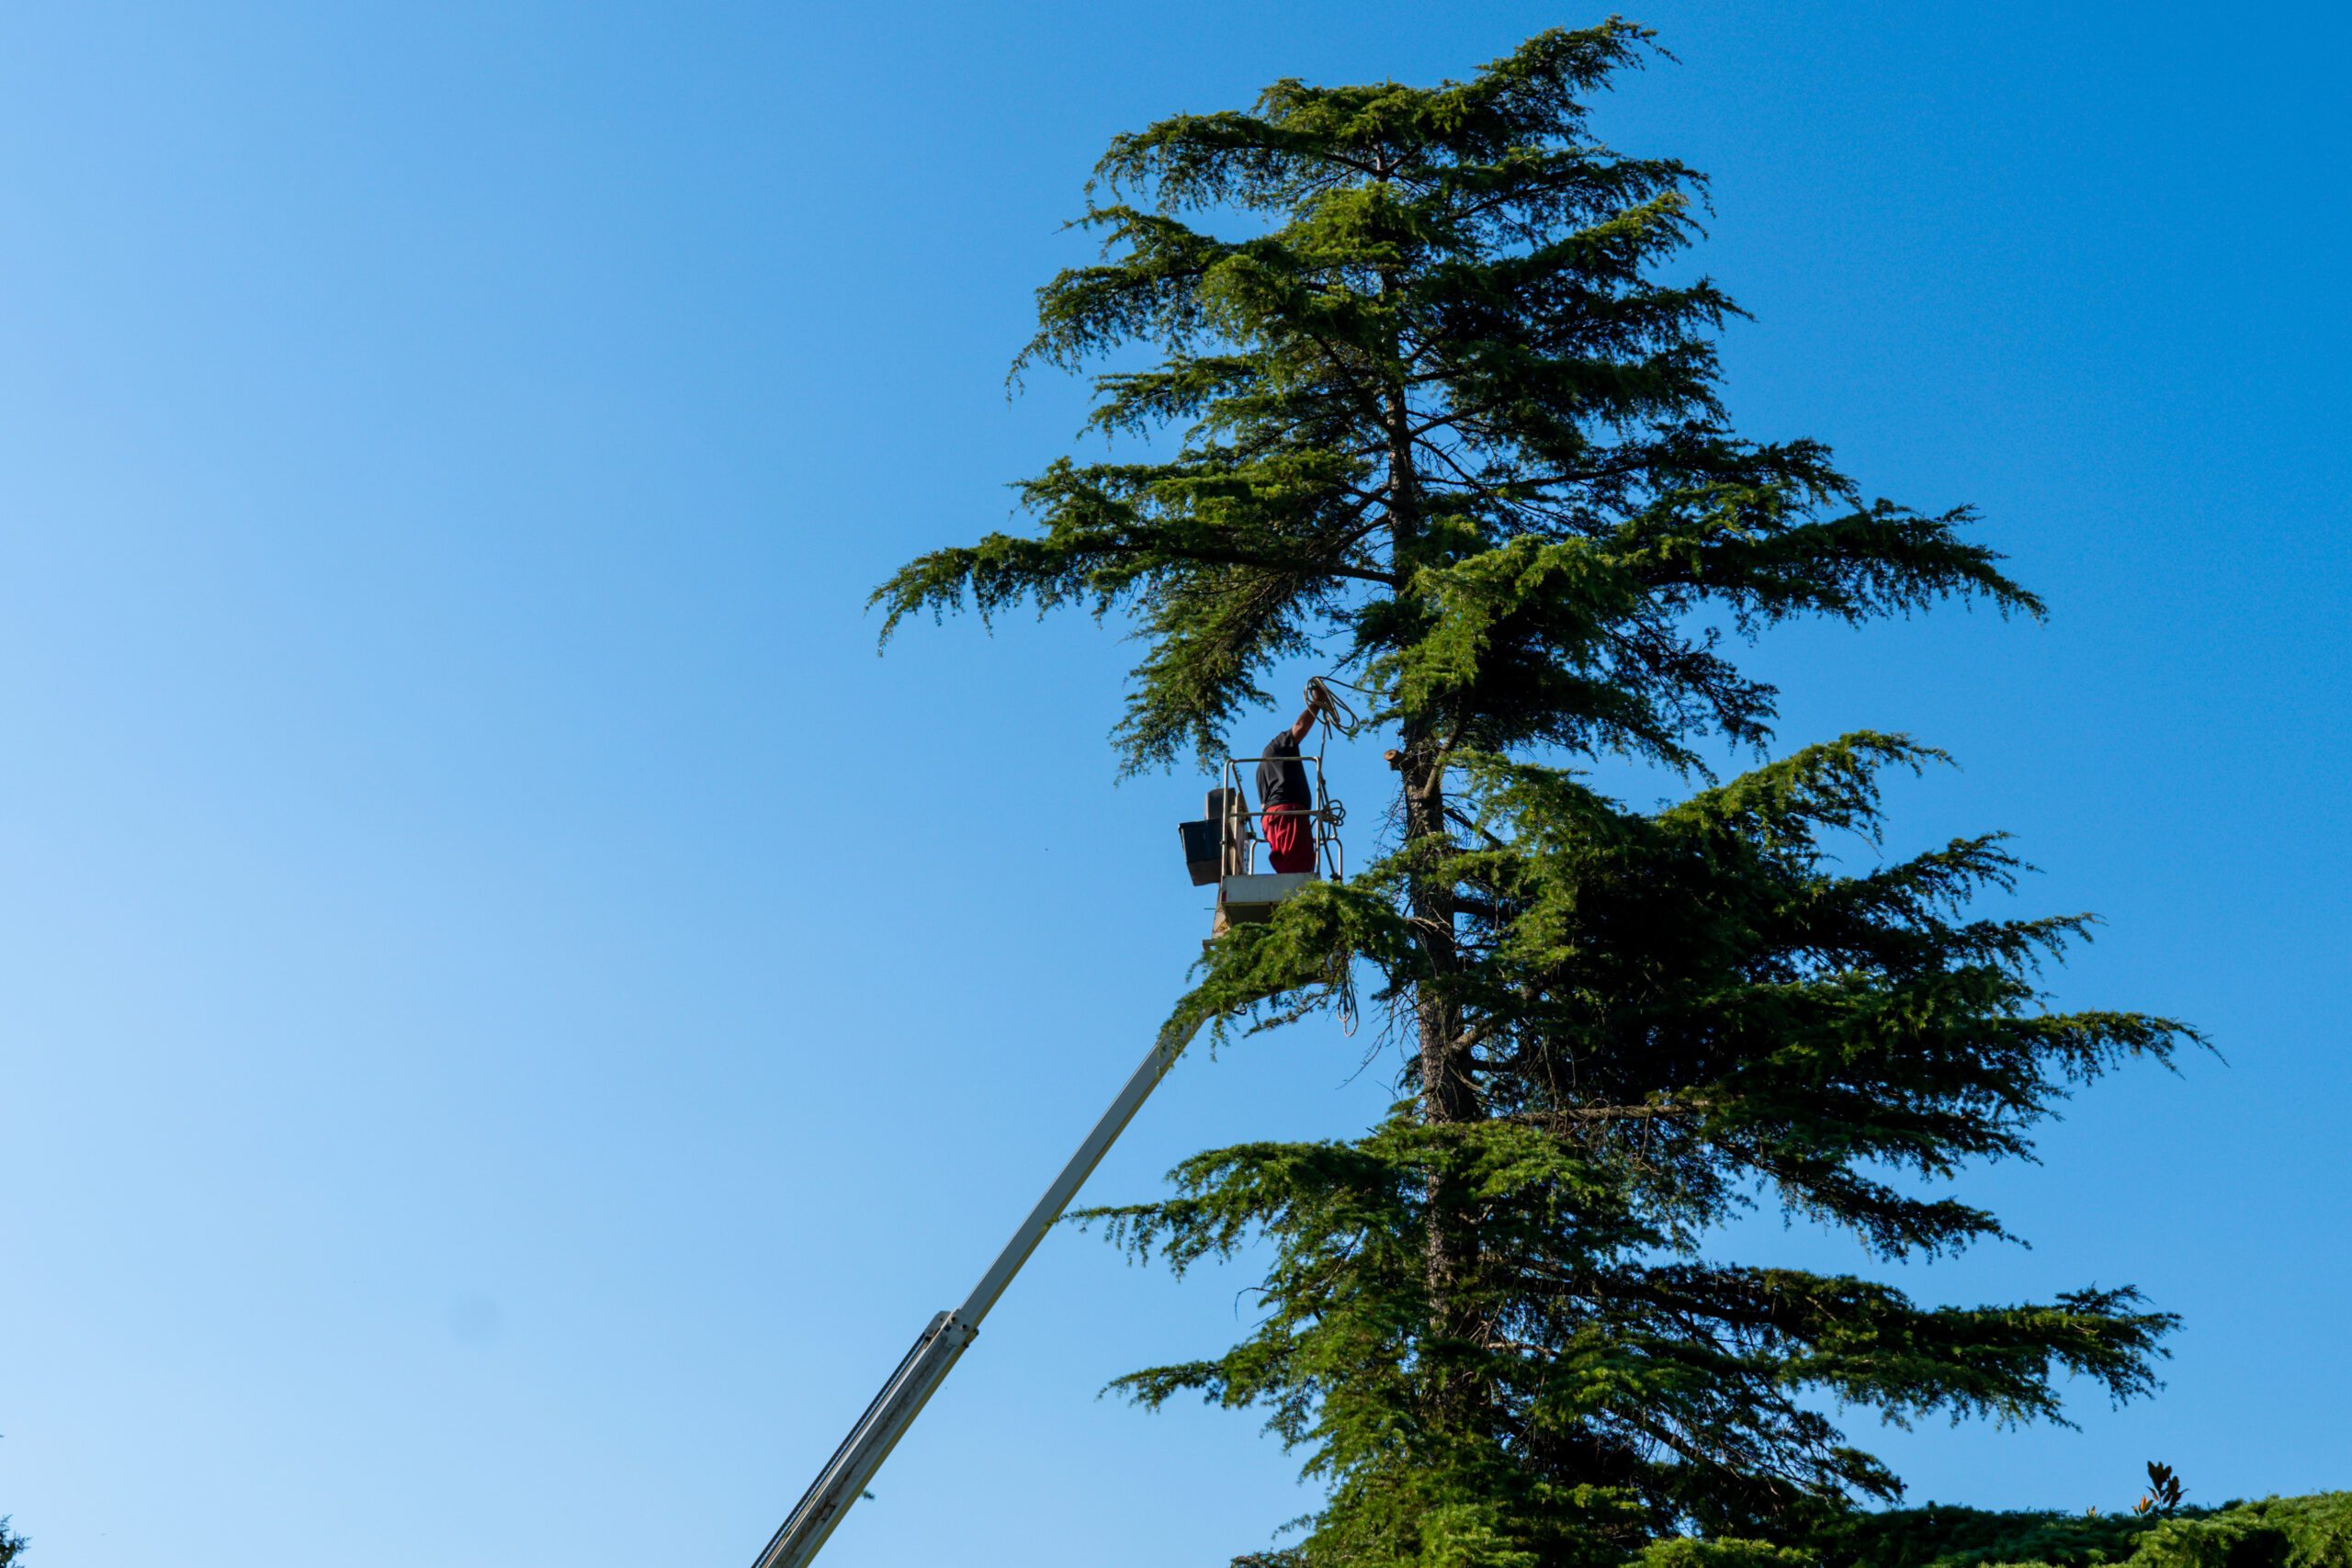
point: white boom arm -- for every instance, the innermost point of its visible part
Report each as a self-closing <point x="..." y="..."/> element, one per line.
<point x="920" y="1371"/>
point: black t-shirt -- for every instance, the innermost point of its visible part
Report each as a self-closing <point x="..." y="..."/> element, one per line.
<point x="1283" y="782"/>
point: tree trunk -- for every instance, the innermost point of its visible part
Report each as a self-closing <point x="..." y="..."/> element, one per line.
<point x="1447" y="1094"/>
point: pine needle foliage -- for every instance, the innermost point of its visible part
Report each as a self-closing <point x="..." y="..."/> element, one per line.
<point x="1437" y="409"/>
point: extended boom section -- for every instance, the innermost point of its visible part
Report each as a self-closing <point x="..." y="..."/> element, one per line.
<point x="868" y="1443"/>
<point x="923" y="1367"/>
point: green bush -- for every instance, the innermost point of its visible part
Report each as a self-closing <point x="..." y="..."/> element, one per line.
<point x="1725" y="1551"/>
<point x="2276" y="1532"/>
<point x="1936" y="1537"/>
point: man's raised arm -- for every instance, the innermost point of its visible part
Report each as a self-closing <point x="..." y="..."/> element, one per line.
<point x="1305" y="721"/>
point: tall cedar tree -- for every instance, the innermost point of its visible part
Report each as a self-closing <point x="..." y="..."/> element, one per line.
<point x="1436" y="413"/>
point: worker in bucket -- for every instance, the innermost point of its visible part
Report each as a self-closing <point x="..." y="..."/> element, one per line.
<point x="1284" y="796"/>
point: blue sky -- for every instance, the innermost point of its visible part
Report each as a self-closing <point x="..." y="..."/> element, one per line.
<point x="514" y="1016"/>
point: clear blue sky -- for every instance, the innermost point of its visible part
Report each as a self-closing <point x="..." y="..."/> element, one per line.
<point x="514" y="1016"/>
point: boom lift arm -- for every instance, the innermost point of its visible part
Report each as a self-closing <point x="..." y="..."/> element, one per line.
<point x="936" y="1350"/>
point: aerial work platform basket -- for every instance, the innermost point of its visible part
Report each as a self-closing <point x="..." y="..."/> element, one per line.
<point x="1221" y="847"/>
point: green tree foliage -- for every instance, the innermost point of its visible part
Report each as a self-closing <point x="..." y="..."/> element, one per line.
<point x="1436" y="409"/>
<point x="12" y="1545"/>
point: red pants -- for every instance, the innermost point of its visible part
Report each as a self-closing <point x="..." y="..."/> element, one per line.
<point x="1290" y="839"/>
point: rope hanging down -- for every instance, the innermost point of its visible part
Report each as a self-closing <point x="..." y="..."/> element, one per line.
<point x="1335" y="714"/>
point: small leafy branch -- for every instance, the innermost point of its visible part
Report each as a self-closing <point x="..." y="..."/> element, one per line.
<point x="2165" y="1492"/>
